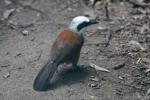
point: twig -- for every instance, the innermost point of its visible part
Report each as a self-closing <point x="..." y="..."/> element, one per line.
<point x="106" y="11"/>
<point x="109" y="37"/>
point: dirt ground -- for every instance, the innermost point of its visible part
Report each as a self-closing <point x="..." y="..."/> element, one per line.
<point x="121" y="45"/>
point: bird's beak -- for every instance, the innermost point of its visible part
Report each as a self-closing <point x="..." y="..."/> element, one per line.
<point x="93" y="21"/>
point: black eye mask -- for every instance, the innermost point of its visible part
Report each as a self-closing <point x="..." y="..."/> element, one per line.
<point x="84" y="24"/>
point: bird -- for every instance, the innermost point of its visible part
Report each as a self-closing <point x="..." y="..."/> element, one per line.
<point x="65" y="49"/>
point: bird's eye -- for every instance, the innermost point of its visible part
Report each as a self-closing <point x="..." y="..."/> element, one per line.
<point x="82" y="25"/>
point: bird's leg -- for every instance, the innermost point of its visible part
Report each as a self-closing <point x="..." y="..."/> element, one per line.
<point x="74" y="65"/>
<point x="75" y="60"/>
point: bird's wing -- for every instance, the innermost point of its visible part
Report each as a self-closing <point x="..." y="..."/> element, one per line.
<point x="66" y="44"/>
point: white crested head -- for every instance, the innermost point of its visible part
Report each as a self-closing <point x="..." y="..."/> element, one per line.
<point x="80" y="19"/>
<point x="78" y="23"/>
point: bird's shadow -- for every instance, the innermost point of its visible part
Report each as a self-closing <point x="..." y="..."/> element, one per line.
<point x="68" y="77"/>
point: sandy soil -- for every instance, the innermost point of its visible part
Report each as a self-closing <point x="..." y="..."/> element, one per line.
<point x="26" y="36"/>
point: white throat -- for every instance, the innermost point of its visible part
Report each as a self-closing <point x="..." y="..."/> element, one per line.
<point x="74" y="28"/>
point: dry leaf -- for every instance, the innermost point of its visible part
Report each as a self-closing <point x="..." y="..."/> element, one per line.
<point x="98" y="68"/>
<point x="148" y="70"/>
<point x="137" y="44"/>
<point x="7" y="13"/>
<point x="148" y="92"/>
<point x="146" y="60"/>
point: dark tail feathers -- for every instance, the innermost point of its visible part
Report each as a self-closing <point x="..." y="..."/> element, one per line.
<point x="44" y="76"/>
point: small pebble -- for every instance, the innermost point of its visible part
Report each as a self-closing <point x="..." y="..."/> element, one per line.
<point x="38" y="14"/>
<point x="94" y="79"/>
<point x="25" y="32"/>
<point x="120" y="77"/>
<point x="6" y="75"/>
<point x="92" y="76"/>
<point x="119" y="65"/>
<point x="102" y="28"/>
<point x="92" y="84"/>
<point x="69" y="9"/>
<point x="92" y="97"/>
